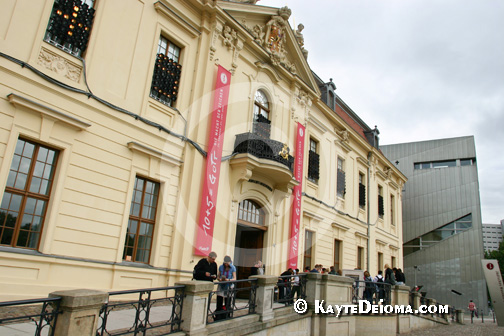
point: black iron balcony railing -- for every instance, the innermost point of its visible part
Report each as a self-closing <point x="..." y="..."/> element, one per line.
<point x="263" y="149"/>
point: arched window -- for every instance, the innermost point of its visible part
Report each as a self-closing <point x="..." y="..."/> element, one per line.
<point x="251" y="214"/>
<point x="262" y="124"/>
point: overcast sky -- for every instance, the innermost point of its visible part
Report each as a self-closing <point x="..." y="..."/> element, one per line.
<point x="418" y="69"/>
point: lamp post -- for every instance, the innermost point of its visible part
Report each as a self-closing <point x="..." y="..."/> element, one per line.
<point x="416" y="268"/>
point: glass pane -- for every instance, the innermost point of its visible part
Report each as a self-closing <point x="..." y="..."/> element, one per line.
<point x="20" y="181"/>
<point x="28" y="149"/>
<point x="26" y="222"/>
<point x="23" y="238"/>
<point x="444" y="164"/>
<point x="426" y="165"/>
<point x="11" y="179"/>
<point x="6" y="234"/>
<point x="19" y="147"/>
<point x="15" y="203"/>
<point x="44" y="187"/>
<point x="33" y="240"/>
<point x="35" y="185"/>
<point x="39" y="169"/>
<point x="135" y="209"/>
<point x="11" y="219"/>
<point x="40" y="207"/>
<point x="5" y="201"/>
<point x="42" y="154"/>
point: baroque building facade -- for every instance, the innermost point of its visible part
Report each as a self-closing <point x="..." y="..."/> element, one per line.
<point x="105" y="142"/>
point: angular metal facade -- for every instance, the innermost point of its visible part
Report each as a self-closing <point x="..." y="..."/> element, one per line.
<point x="434" y="197"/>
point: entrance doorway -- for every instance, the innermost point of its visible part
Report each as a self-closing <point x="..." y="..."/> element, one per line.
<point x="249" y="240"/>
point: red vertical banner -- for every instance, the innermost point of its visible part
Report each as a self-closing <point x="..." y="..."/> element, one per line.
<point x="204" y="233"/>
<point x="296" y="203"/>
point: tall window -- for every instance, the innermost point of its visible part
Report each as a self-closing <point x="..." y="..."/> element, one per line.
<point x="313" y="161"/>
<point x="337" y="254"/>
<point x="381" y="209"/>
<point x="70" y="25"/>
<point x="262" y="124"/>
<point x="392" y="210"/>
<point x="24" y="203"/>
<point x="167" y="70"/>
<point x="308" y="254"/>
<point x="362" y="191"/>
<point x="393" y="262"/>
<point x="141" y="221"/>
<point x="360" y="257"/>
<point x="340" y="180"/>
<point x="380" y="261"/>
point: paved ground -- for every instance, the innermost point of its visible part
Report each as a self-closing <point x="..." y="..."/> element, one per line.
<point x="488" y="328"/>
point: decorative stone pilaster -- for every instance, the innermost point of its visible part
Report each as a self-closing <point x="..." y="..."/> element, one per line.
<point x="80" y="311"/>
<point x="264" y="296"/>
<point x="194" y="314"/>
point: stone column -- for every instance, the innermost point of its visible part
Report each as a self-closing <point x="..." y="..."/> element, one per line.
<point x="194" y="313"/>
<point x="313" y="289"/>
<point x="459" y="316"/>
<point x="265" y="294"/>
<point x="400" y="295"/>
<point x="80" y="311"/>
<point x="416" y="300"/>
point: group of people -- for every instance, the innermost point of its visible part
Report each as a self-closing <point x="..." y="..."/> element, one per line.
<point x="375" y="286"/>
<point x="206" y="270"/>
<point x="318" y="268"/>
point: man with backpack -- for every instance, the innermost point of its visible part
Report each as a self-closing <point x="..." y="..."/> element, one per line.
<point x="380" y="290"/>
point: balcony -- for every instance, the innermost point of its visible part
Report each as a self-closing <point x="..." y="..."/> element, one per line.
<point x="264" y="160"/>
<point x="262" y="148"/>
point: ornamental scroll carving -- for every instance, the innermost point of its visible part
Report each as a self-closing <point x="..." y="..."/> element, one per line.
<point x="59" y="64"/>
<point x="230" y="39"/>
<point x="272" y="37"/>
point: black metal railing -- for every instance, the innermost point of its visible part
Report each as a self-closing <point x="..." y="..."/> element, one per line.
<point x="290" y="288"/>
<point x="232" y="299"/>
<point x="40" y="314"/>
<point x="371" y="291"/>
<point x="149" y="311"/>
<point x="263" y="148"/>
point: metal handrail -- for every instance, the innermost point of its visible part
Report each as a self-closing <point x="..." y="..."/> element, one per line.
<point x="46" y="319"/>
<point x="229" y="307"/>
<point x="142" y="308"/>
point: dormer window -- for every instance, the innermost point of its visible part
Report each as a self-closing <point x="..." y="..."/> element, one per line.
<point x="262" y="124"/>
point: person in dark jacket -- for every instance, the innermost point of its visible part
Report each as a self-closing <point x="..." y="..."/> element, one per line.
<point x="206" y="268"/>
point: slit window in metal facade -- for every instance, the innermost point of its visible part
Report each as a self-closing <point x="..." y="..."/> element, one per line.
<point x="167" y="70"/>
<point x="435" y="236"/>
<point x="141" y="222"/>
<point x="70" y="25"/>
<point x="24" y="203"/>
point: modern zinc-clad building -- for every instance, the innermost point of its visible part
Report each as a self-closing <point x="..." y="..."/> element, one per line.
<point x="443" y="244"/>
